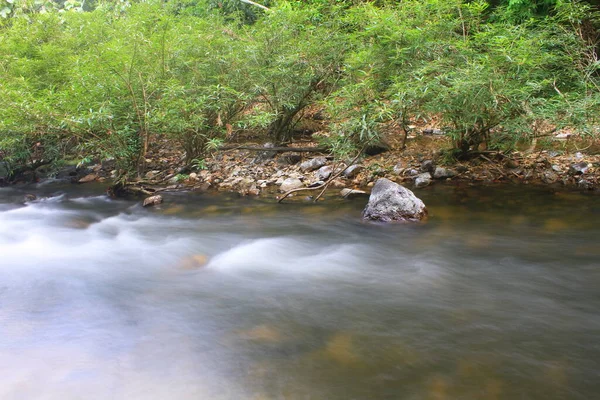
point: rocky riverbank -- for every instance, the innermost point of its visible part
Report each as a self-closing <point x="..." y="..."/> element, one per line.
<point x="261" y="170"/>
<point x="270" y="173"/>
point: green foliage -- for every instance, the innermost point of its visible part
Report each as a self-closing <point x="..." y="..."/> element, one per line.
<point x="110" y="78"/>
<point x="294" y="59"/>
<point x="489" y="83"/>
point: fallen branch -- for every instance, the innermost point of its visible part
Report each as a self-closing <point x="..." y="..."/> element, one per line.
<point x="277" y="149"/>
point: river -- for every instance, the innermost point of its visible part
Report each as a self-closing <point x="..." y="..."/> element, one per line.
<point x="216" y="297"/>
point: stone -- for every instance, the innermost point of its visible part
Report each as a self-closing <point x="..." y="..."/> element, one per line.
<point x="512" y="164"/>
<point x="289" y="159"/>
<point x="30" y="197"/>
<point x="579" y="168"/>
<point x="398" y="168"/>
<point x="352" y="171"/>
<point x="428" y="166"/>
<point x="423" y="180"/>
<point x="429" y="131"/>
<point x="313" y="164"/>
<point x="194" y="176"/>
<point x="266" y="155"/>
<point x="324" y="173"/>
<point x="585" y="184"/>
<point x="152" y="200"/>
<point x="443" y="173"/>
<point x="88" y="178"/>
<point x="337" y="184"/>
<point x="315" y="184"/>
<point x="549" y="176"/>
<point x="290" y="184"/>
<point x="390" y="201"/>
<point x="194" y="262"/>
<point x="377" y="148"/>
<point x="352" y="193"/>
<point x="556" y="168"/>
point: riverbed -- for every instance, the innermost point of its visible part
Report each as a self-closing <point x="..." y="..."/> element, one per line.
<point x="496" y="296"/>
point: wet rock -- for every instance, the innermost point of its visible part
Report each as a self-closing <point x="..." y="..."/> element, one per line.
<point x="289" y="159"/>
<point x="390" y="201"/>
<point x="443" y="173"/>
<point x="194" y="262"/>
<point x="30" y="197"/>
<point x="247" y="187"/>
<point x="423" y="180"/>
<point x="585" y="184"/>
<point x="152" y="200"/>
<point x="73" y="174"/>
<point x="315" y="184"/>
<point x="428" y="166"/>
<point x="377" y="148"/>
<point x="324" y="173"/>
<point x="291" y="184"/>
<point x="352" y="193"/>
<point x="337" y="184"/>
<point x="313" y="164"/>
<point x="579" y="168"/>
<point x="352" y="171"/>
<point x="88" y="178"/>
<point x="549" y="176"/>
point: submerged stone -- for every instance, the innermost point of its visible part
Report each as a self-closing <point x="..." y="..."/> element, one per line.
<point x="152" y="200"/>
<point x="390" y="201"/>
<point x="423" y="180"/>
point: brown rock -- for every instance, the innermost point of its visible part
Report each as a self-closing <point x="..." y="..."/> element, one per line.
<point x="88" y="178"/>
<point x="152" y="200"/>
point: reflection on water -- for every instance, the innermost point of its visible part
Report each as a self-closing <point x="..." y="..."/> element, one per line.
<point x="206" y="297"/>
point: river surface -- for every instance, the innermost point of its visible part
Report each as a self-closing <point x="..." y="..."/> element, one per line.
<point x="212" y="297"/>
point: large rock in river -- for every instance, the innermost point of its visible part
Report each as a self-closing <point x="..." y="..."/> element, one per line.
<point x="390" y="201"/>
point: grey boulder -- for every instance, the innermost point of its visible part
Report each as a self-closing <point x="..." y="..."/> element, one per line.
<point x="291" y="184"/>
<point x="352" y="171"/>
<point x="390" y="202"/>
<point x="324" y="173"/>
<point x="423" y="180"/>
<point x="443" y="173"/>
<point x="313" y="164"/>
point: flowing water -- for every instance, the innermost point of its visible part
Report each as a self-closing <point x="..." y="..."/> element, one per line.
<point x="209" y="297"/>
